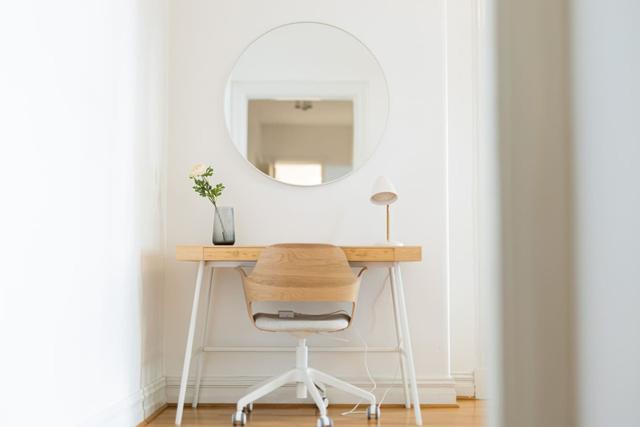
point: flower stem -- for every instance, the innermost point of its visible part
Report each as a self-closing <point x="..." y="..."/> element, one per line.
<point x="215" y="207"/>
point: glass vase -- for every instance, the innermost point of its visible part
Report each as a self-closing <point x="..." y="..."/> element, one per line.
<point x="223" y="226"/>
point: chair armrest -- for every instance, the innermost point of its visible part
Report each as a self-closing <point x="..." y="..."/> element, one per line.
<point x="362" y="270"/>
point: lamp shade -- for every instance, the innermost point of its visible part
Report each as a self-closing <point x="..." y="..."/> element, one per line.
<point x="383" y="192"/>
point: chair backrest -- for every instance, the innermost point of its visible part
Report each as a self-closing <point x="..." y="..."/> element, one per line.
<point x="301" y="272"/>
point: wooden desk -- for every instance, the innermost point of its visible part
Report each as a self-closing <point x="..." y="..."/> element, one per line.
<point x="388" y="257"/>
<point x="251" y="253"/>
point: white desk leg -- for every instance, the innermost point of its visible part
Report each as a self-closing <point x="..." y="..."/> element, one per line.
<point x="203" y="342"/>
<point x="188" y="350"/>
<point x="399" y="340"/>
<point x="407" y="343"/>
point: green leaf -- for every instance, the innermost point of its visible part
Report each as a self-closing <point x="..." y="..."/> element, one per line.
<point x="203" y="187"/>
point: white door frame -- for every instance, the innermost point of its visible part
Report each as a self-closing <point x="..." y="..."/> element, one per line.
<point x="240" y="92"/>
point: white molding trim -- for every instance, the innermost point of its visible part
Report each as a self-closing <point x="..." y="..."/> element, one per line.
<point x="480" y="377"/>
<point x="229" y="389"/>
<point x="134" y="408"/>
<point x="139" y="405"/>
<point x="154" y="396"/>
<point x="127" y="411"/>
<point x="465" y="384"/>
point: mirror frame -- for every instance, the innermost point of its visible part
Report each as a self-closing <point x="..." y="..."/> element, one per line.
<point x="242" y="116"/>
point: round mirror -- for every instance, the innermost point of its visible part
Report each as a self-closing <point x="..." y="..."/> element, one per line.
<point x="306" y="103"/>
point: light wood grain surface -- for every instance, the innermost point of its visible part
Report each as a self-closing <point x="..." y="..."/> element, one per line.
<point x="471" y="413"/>
<point x="301" y="272"/>
<point x="252" y="252"/>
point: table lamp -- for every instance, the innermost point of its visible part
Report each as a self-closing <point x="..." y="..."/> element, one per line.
<point x="384" y="193"/>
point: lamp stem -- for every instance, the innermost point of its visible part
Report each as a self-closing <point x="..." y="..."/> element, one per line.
<point x="388" y="233"/>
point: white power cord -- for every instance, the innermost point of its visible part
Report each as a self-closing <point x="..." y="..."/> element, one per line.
<point x="366" y="358"/>
<point x="395" y="377"/>
<point x="366" y="367"/>
<point x="375" y="302"/>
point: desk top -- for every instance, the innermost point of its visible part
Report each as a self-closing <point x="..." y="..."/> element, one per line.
<point x="250" y="253"/>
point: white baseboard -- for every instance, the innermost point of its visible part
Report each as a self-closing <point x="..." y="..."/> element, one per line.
<point x="133" y="409"/>
<point x="465" y="384"/>
<point x="481" y="383"/>
<point x="154" y="396"/>
<point x="230" y="388"/>
<point x="126" y="412"/>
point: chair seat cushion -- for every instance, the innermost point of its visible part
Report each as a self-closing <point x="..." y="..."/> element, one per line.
<point x="302" y="322"/>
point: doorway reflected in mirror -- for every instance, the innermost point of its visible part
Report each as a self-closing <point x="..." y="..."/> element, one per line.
<point x="302" y="142"/>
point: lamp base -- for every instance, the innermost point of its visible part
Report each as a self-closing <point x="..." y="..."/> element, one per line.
<point x="389" y="243"/>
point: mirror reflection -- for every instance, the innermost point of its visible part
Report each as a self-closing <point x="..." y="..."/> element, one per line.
<point x="303" y="142"/>
<point x="306" y="104"/>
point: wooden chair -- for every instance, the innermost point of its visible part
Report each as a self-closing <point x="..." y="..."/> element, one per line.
<point x="302" y="273"/>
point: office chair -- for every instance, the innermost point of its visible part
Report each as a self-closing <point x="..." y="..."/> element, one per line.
<point x="302" y="272"/>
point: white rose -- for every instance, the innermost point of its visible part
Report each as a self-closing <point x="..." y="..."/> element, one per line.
<point x="197" y="170"/>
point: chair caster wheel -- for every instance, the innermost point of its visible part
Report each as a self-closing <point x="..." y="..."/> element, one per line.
<point x="248" y="409"/>
<point x="324" y="422"/>
<point x="239" y="418"/>
<point x="373" y="412"/>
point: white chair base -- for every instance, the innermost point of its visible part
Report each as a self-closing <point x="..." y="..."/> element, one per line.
<point x="308" y="380"/>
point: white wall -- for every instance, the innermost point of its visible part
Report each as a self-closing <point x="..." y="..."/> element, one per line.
<point x="82" y="224"/>
<point x="206" y="38"/>
<point x="606" y="66"/>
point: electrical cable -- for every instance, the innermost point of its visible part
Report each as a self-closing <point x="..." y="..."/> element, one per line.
<point x="366" y="367"/>
<point x="393" y="381"/>
<point x="374" y="385"/>
<point x="366" y="358"/>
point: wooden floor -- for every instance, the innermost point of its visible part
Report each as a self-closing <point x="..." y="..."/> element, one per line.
<point x="469" y="414"/>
